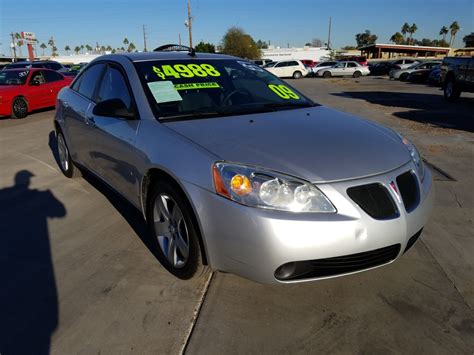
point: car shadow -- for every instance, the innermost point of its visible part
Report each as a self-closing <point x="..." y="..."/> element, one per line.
<point x="28" y="298"/>
<point x="425" y="108"/>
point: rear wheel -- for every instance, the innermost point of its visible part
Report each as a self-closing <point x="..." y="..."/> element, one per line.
<point x="173" y="233"/>
<point x="404" y="77"/>
<point x="65" y="162"/>
<point x="19" y="108"/>
<point x="297" y="75"/>
<point x="357" y="74"/>
<point x="327" y="74"/>
<point x="451" y="93"/>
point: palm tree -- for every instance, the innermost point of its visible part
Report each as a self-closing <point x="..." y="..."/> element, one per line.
<point x="125" y="41"/>
<point x="131" y="47"/>
<point x="67" y="49"/>
<point x="443" y="32"/>
<point x="51" y="44"/>
<point x="43" y="47"/>
<point x="108" y="48"/>
<point x="82" y="48"/>
<point x="397" y="38"/>
<point x="102" y="49"/>
<point x="88" y="48"/>
<point x="405" y="30"/>
<point x="454" y="29"/>
<point x="54" y="50"/>
<point x="77" y="49"/>
<point x="412" y="30"/>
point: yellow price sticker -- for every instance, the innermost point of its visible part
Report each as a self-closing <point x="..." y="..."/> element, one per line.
<point x="186" y="71"/>
<point x="283" y="91"/>
<point x="191" y="86"/>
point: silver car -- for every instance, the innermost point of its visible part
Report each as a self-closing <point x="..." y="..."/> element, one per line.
<point x="236" y="170"/>
<point x="348" y="68"/>
<point x="403" y="74"/>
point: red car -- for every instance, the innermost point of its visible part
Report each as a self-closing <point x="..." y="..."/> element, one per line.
<point x="25" y="90"/>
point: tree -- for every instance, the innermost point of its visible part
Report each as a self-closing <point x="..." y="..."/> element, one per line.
<point x="397" y="38"/>
<point x="413" y="28"/>
<point x="349" y="48"/>
<point x="262" y="44"/>
<point x="365" y="38"/>
<point x="205" y="47"/>
<point x="53" y="46"/>
<point x="67" y="49"/>
<point x="131" y="47"/>
<point x="88" y="48"/>
<point x="55" y="51"/>
<point x="316" y="42"/>
<point x="82" y="48"/>
<point x="125" y="41"/>
<point x="108" y="48"/>
<point x="469" y="40"/>
<point x="77" y="49"/>
<point x="238" y="43"/>
<point x="443" y="32"/>
<point x="43" y="47"/>
<point x="405" y="30"/>
<point x="454" y="28"/>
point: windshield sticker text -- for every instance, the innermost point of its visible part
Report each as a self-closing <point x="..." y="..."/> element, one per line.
<point x="191" y="86"/>
<point x="186" y="71"/>
<point x="283" y="91"/>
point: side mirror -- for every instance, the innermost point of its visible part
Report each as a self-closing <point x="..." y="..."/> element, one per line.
<point x="113" y="108"/>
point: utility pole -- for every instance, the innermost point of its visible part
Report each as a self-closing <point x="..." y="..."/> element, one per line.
<point x="329" y="34"/>
<point x="13" y="46"/>
<point x="144" y="38"/>
<point x="189" y="24"/>
<point x="179" y="38"/>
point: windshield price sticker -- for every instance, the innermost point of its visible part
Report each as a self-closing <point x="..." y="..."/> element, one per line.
<point x="193" y="86"/>
<point x="283" y="91"/>
<point x="250" y="66"/>
<point x="185" y="71"/>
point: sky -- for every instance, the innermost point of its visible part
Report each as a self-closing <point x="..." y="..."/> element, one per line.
<point x="282" y="22"/>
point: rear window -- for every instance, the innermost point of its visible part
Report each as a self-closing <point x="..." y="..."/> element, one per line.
<point x="199" y="87"/>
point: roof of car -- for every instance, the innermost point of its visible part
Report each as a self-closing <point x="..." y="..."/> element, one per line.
<point x="166" y="55"/>
<point x="23" y="69"/>
<point x="35" y="61"/>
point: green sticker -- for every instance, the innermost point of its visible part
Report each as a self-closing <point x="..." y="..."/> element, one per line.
<point x="164" y="91"/>
<point x="194" y="86"/>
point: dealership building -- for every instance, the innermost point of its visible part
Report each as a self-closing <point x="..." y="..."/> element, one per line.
<point x="317" y="54"/>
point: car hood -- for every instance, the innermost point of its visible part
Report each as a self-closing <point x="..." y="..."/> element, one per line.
<point x="317" y="144"/>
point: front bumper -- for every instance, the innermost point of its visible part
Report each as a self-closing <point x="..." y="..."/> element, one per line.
<point x="254" y="243"/>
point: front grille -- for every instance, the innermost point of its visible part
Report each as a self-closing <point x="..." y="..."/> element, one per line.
<point x="375" y="200"/>
<point x="338" y="265"/>
<point x="408" y="186"/>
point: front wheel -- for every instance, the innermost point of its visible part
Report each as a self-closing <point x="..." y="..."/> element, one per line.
<point x="404" y="77"/>
<point x="65" y="161"/>
<point x="297" y="75"/>
<point x="19" y="108"/>
<point x="451" y="93"/>
<point x="173" y="233"/>
<point x="357" y="74"/>
<point x="327" y="74"/>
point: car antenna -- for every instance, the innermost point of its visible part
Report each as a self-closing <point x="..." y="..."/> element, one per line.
<point x="176" y="48"/>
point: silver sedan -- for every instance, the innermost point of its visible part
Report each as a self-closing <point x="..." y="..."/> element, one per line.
<point x="236" y="170"/>
<point x="348" y="68"/>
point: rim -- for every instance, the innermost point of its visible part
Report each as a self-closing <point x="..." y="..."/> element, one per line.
<point x="171" y="230"/>
<point x="19" y="106"/>
<point x="63" y="153"/>
<point x="449" y="89"/>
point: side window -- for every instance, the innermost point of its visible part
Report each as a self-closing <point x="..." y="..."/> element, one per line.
<point x="408" y="61"/>
<point x="54" y="66"/>
<point x="351" y="65"/>
<point x="52" y="76"/>
<point x="86" y="84"/>
<point x="280" y="65"/>
<point x="114" y="86"/>
<point x="291" y="64"/>
<point x="38" y="77"/>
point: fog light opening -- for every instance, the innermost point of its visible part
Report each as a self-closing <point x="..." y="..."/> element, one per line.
<point x="285" y="271"/>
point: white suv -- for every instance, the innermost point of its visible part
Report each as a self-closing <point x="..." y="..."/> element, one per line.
<point x="288" y="69"/>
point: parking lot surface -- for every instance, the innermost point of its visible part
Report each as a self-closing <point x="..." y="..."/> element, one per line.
<point x="77" y="276"/>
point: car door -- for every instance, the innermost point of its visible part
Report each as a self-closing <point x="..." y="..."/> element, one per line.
<point x="280" y="69"/>
<point x="350" y="68"/>
<point x="338" y="69"/>
<point x="38" y="90"/>
<point x="112" y="139"/>
<point x="56" y="82"/>
<point x="76" y="108"/>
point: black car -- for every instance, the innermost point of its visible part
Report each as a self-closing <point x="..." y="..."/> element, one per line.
<point x="421" y="75"/>
<point x="48" y="64"/>
<point x="381" y="68"/>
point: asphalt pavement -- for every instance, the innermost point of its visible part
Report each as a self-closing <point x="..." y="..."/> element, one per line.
<point x="78" y="278"/>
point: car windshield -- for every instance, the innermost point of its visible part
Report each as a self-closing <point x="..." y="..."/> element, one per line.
<point x="196" y="88"/>
<point x="270" y="65"/>
<point x="13" y="77"/>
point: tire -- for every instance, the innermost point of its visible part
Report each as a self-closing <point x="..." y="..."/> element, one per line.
<point x="297" y="75"/>
<point x="174" y="235"/>
<point x="19" y="108"/>
<point x="451" y="93"/>
<point x="357" y="74"/>
<point x="327" y="74"/>
<point x="65" y="161"/>
<point x="404" y="77"/>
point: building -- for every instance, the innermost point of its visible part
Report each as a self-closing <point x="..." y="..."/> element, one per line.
<point x="313" y="53"/>
<point x="380" y="50"/>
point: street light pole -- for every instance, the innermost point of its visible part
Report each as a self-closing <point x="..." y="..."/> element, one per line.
<point x="190" y="25"/>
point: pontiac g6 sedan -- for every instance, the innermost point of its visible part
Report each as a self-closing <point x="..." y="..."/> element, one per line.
<point x="235" y="169"/>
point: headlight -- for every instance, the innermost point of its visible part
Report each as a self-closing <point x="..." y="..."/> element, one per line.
<point x="415" y="156"/>
<point x="267" y="189"/>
